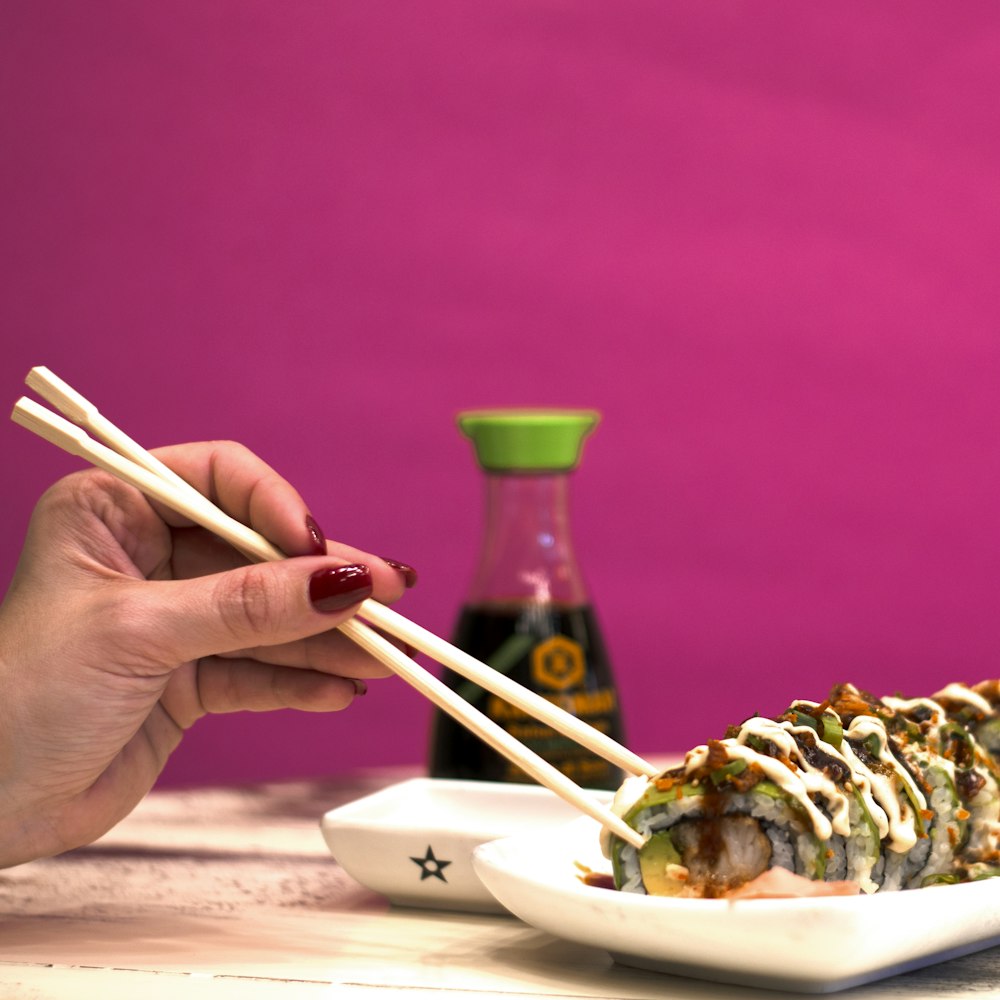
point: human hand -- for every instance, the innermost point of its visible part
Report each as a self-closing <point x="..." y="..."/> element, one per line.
<point x="125" y="623"/>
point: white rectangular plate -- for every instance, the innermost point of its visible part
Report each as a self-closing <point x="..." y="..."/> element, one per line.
<point x="413" y="841"/>
<point x="815" y="945"/>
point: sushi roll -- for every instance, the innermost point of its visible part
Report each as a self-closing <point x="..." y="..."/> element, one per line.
<point x="850" y="794"/>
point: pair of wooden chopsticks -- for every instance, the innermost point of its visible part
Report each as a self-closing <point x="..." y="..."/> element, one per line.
<point x="129" y="461"/>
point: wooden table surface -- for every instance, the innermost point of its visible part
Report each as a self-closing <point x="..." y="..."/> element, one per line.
<point x="227" y="893"/>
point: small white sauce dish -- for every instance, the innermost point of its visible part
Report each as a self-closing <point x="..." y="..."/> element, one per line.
<point x="413" y="841"/>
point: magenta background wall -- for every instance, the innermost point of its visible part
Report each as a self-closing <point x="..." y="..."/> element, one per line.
<point x="761" y="237"/>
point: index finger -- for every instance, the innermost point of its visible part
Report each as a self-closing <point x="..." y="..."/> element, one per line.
<point x="248" y="489"/>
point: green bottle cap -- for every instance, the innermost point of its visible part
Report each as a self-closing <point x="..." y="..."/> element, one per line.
<point x="528" y="440"/>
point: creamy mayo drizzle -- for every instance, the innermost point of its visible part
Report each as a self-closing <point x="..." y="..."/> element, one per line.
<point x="907" y="705"/>
<point x="898" y="819"/>
<point x="877" y="791"/>
<point x="960" y="692"/>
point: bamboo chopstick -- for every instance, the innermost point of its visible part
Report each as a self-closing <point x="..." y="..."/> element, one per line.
<point x="179" y="495"/>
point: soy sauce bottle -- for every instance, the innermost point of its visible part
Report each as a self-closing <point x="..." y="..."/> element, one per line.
<point x="527" y="612"/>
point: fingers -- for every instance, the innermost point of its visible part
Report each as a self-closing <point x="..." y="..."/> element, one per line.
<point x="218" y="686"/>
<point x="249" y="686"/>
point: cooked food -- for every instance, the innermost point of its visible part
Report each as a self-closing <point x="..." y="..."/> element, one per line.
<point x="852" y="794"/>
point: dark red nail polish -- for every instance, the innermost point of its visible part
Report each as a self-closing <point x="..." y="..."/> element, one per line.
<point x="408" y="573"/>
<point x="316" y="536"/>
<point x="360" y="687"/>
<point x="339" y="588"/>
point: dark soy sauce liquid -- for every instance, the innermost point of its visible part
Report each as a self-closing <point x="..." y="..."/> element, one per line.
<point x="556" y="651"/>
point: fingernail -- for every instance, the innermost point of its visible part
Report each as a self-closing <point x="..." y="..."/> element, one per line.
<point x="316" y="536"/>
<point x="408" y="573"/>
<point x="336" y="589"/>
<point x="360" y="687"/>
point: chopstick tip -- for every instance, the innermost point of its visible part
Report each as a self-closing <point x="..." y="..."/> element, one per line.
<point x="36" y="375"/>
<point x="60" y="394"/>
<point x="19" y="407"/>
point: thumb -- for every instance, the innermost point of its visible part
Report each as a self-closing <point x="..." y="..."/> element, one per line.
<point x="259" y="605"/>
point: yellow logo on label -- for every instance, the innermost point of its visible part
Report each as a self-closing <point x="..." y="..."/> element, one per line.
<point x="558" y="663"/>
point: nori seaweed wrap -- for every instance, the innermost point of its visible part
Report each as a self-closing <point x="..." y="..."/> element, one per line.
<point x="876" y="794"/>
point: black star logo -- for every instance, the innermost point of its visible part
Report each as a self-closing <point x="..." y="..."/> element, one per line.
<point x="429" y="865"/>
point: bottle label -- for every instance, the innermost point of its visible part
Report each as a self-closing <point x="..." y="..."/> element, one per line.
<point x="558" y="664"/>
